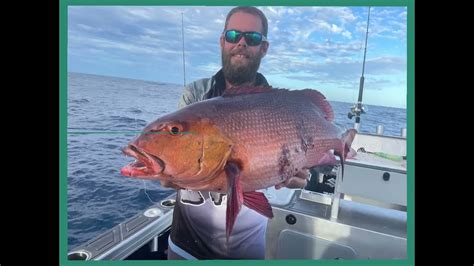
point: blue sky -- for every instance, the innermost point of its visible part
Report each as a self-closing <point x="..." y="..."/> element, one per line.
<point x="310" y="47"/>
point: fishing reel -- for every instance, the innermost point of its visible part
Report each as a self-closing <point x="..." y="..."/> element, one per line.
<point x="356" y="111"/>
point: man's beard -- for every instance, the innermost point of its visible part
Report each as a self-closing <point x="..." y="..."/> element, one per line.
<point x="241" y="73"/>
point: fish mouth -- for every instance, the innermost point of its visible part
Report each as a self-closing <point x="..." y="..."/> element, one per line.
<point x="145" y="166"/>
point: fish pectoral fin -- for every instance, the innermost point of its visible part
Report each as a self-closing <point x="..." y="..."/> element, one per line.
<point x="258" y="202"/>
<point x="234" y="196"/>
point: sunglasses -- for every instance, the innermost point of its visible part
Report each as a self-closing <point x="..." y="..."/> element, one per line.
<point x="252" y="38"/>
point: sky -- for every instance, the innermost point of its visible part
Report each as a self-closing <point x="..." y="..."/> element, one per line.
<point x="310" y="47"/>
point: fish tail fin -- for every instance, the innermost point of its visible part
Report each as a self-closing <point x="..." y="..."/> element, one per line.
<point x="345" y="148"/>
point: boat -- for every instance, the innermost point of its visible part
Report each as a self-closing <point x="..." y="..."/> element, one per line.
<point x="363" y="217"/>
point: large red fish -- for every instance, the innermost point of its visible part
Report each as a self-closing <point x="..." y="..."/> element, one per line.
<point x="248" y="139"/>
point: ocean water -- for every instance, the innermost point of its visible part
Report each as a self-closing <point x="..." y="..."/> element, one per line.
<point x="103" y="110"/>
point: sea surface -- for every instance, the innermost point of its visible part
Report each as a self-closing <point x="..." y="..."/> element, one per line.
<point x="102" y="111"/>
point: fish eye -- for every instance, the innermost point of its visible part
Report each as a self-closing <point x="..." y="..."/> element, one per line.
<point x="174" y="130"/>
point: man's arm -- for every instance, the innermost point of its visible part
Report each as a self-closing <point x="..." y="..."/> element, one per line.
<point x="194" y="92"/>
<point x="188" y="97"/>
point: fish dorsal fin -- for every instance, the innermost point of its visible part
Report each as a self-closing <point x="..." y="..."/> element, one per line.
<point x="315" y="96"/>
<point x="320" y="101"/>
<point x="238" y="90"/>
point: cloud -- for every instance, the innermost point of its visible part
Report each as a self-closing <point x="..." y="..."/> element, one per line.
<point x="322" y="44"/>
<point x="344" y="72"/>
<point x="141" y="14"/>
<point x="209" y="67"/>
<point x="388" y="23"/>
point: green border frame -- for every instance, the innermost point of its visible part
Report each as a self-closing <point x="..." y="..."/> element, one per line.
<point x="63" y="11"/>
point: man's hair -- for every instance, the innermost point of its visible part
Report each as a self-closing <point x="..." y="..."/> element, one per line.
<point x="249" y="10"/>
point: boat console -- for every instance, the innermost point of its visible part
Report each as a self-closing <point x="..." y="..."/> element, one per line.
<point x="360" y="216"/>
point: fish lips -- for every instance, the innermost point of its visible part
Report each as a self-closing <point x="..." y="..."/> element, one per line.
<point x="145" y="166"/>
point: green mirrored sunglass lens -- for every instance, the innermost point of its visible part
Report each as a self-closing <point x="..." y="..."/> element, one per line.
<point x="253" y="38"/>
<point x="232" y="36"/>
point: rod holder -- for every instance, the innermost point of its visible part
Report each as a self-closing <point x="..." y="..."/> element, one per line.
<point x="403" y="132"/>
<point x="379" y="130"/>
<point x="154" y="244"/>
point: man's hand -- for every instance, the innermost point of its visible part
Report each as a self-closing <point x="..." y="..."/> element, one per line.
<point x="298" y="181"/>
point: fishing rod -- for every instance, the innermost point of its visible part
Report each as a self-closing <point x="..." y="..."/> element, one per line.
<point x="184" y="84"/>
<point x="358" y="109"/>
<point x="184" y="64"/>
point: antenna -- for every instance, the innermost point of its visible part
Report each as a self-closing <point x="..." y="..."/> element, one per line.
<point x="357" y="110"/>
<point x="184" y="63"/>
